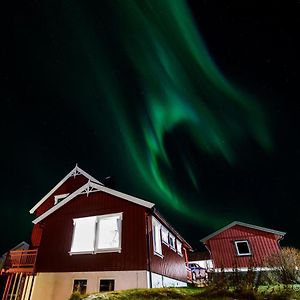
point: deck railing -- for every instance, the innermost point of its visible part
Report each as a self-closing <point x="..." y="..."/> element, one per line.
<point x="20" y="260"/>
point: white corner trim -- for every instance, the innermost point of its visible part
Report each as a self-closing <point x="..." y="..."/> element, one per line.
<point x="91" y="187"/>
<point x="74" y="172"/>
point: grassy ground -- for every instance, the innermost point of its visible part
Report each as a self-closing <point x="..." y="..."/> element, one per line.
<point x="272" y="293"/>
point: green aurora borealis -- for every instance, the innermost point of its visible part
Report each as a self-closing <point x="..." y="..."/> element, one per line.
<point x="185" y="103"/>
<point x="181" y="87"/>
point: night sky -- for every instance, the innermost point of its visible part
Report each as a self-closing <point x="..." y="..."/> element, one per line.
<point x="191" y="105"/>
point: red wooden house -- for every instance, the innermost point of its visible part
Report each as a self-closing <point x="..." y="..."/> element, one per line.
<point x="241" y="245"/>
<point x="90" y="237"/>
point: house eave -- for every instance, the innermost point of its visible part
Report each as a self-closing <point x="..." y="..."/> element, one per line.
<point x="279" y="233"/>
<point x="162" y="219"/>
<point x="91" y="187"/>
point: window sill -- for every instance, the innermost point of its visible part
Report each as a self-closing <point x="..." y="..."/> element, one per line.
<point x="97" y="252"/>
<point x="158" y="254"/>
<point x="173" y="248"/>
<point x="108" y="250"/>
<point x="165" y="243"/>
<point x="83" y="252"/>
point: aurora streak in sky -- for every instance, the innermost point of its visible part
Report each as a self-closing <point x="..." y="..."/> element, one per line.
<point x="160" y="81"/>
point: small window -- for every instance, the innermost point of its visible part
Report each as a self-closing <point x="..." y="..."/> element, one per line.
<point x="172" y="241"/>
<point x="107" y="285"/>
<point x="79" y="286"/>
<point x="156" y="237"/>
<point x="179" y="247"/>
<point x="242" y="248"/>
<point x="165" y="236"/>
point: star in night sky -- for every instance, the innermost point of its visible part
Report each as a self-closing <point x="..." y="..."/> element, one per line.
<point x="191" y="105"/>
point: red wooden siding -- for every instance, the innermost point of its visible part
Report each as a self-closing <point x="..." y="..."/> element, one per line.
<point x="71" y="185"/>
<point x="223" y="251"/>
<point x="171" y="264"/>
<point x="58" y="229"/>
<point x="36" y="235"/>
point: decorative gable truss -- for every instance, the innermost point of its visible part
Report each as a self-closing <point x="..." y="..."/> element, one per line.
<point x="91" y="187"/>
<point x="73" y="173"/>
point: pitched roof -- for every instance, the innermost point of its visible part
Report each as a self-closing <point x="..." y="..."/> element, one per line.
<point x="74" y="172"/>
<point x="280" y="233"/>
<point x="91" y="187"/>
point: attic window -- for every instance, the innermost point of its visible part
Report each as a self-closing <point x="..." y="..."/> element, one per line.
<point x="58" y="198"/>
<point x="242" y="248"/>
<point x="97" y="234"/>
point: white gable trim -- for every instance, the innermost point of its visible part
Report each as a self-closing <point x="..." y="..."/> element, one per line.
<point x="76" y="171"/>
<point x="91" y="187"/>
<point x="280" y="233"/>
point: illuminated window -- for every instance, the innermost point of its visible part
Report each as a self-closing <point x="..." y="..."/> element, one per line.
<point x="79" y="286"/>
<point x="107" y="285"/>
<point x="165" y="236"/>
<point x="156" y="237"/>
<point x="172" y="241"/>
<point x="242" y="248"/>
<point x="108" y="235"/>
<point x="97" y="234"/>
<point x="179" y="247"/>
<point x="84" y="235"/>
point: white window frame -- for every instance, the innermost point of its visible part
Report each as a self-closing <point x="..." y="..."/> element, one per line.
<point x="95" y="248"/>
<point x="179" y="247"/>
<point x="237" y="249"/>
<point x="164" y="230"/>
<point x="156" y="226"/>
<point x="172" y="237"/>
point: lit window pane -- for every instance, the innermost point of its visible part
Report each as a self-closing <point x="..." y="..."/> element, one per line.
<point x="179" y="246"/>
<point x="84" y="234"/>
<point x="172" y="241"/>
<point x="109" y="232"/>
<point x="165" y="235"/>
<point x="157" y="237"/>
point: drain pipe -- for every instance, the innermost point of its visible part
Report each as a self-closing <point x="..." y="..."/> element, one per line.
<point x="148" y="250"/>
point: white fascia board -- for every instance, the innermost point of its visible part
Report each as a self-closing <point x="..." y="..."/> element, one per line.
<point x="280" y="233"/>
<point x="63" y="202"/>
<point x="91" y="187"/>
<point x="73" y="172"/>
<point x="127" y="197"/>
